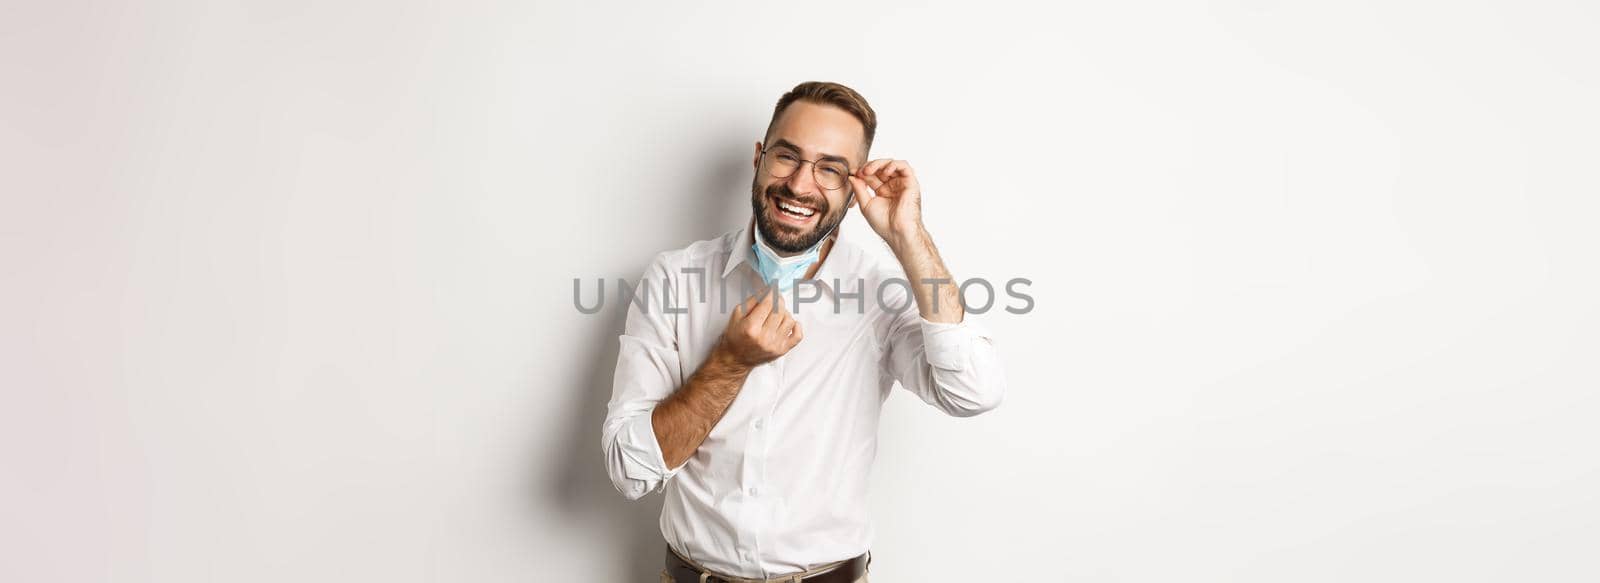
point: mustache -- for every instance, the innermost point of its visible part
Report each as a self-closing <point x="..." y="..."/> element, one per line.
<point x="781" y="191"/>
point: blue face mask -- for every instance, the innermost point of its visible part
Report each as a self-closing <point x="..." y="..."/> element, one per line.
<point x="786" y="270"/>
<point x="782" y="270"/>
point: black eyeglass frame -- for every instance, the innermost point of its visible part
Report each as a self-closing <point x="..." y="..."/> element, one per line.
<point x="763" y="161"/>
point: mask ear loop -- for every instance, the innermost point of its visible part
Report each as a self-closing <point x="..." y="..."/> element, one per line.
<point x="847" y="201"/>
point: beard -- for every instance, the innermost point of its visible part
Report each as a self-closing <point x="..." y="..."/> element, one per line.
<point x="787" y="238"/>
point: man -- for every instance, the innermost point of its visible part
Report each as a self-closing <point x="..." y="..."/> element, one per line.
<point x="758" y="416"/>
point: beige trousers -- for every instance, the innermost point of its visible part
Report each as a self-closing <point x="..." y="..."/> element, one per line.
<point x="666" y="577"/>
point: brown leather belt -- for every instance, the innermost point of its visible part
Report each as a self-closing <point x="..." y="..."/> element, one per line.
<point x="851" y="570"/>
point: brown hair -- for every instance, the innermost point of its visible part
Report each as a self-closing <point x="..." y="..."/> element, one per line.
<point x="828" y="93"/>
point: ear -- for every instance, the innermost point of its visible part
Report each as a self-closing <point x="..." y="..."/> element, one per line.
<point x="755" y="160"/>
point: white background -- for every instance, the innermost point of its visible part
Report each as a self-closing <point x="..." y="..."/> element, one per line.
<point x="287" y="286"/>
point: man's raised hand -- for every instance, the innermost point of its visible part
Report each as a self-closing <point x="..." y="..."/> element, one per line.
<point x="760" y="330"/>
<point x="890" y="198"/>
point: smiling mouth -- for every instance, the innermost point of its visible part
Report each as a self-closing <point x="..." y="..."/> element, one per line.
<point x="794" y="212"/>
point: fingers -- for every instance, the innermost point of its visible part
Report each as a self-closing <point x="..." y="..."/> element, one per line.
<point x="762" y="309"/>
<point x="904" y="187"/>
<point x="872" y="168"/>
<point x="746" y="309"/>
<point x="864" y="195"/>
<point x="778" y="316"/>
<point x="790" y="335"/>
<point x="742" y="309"/>
<point x="892" y="170"/>
<point x="784" y="329"/>
<point x="774" y="329"/>
<point x="869" y="173"/>
<point x="761" y="328"/>
<point x="898" y="177"/>
<point x="885" y="168"/>
<point x="886" y="172"/>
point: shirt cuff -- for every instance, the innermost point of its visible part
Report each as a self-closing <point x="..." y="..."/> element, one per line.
<point x="641" y="452"/>
<point x="949" y="345"/>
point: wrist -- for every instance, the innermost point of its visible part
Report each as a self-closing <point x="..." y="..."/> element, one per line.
<point x="909" y="240"/>
<point x="724" y="357"/>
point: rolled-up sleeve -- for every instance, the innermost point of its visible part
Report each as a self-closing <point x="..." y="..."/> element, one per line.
<point x="952" y="366"/>
<point x="647" y="372"/>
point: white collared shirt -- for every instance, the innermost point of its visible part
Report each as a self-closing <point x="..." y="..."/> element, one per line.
<point x="780" y="483"/>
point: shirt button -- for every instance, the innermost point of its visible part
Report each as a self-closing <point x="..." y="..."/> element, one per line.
<point x="758" y="424"/>
<point x="754" y="491"/>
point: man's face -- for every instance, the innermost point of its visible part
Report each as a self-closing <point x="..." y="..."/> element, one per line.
<point x="823" y="134"/>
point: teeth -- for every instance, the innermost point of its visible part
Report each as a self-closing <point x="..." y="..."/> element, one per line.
<point x="805" y="212"/>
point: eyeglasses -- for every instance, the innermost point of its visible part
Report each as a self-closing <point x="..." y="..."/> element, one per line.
<point x="782" y="162"/>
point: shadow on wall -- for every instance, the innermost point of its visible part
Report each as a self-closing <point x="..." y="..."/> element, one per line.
<point x="717" y="202"/>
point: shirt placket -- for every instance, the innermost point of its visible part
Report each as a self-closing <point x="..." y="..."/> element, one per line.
<point x="754" y="478"/>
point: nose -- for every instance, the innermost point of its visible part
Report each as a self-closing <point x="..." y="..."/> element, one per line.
<point x="804" y="180"/>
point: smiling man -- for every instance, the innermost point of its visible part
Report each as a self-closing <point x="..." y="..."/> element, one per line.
<point x="758" y="415"/>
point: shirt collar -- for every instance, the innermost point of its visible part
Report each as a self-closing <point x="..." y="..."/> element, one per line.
<point x="741" y="252"/>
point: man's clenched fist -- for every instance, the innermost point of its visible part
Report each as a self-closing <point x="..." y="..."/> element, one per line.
<point x="759" y="331"/>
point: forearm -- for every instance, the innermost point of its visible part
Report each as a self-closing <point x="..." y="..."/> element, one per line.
<point x="684" y="419"/>
<point x="938" y="296"/>
<point x="947" y="362"/>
